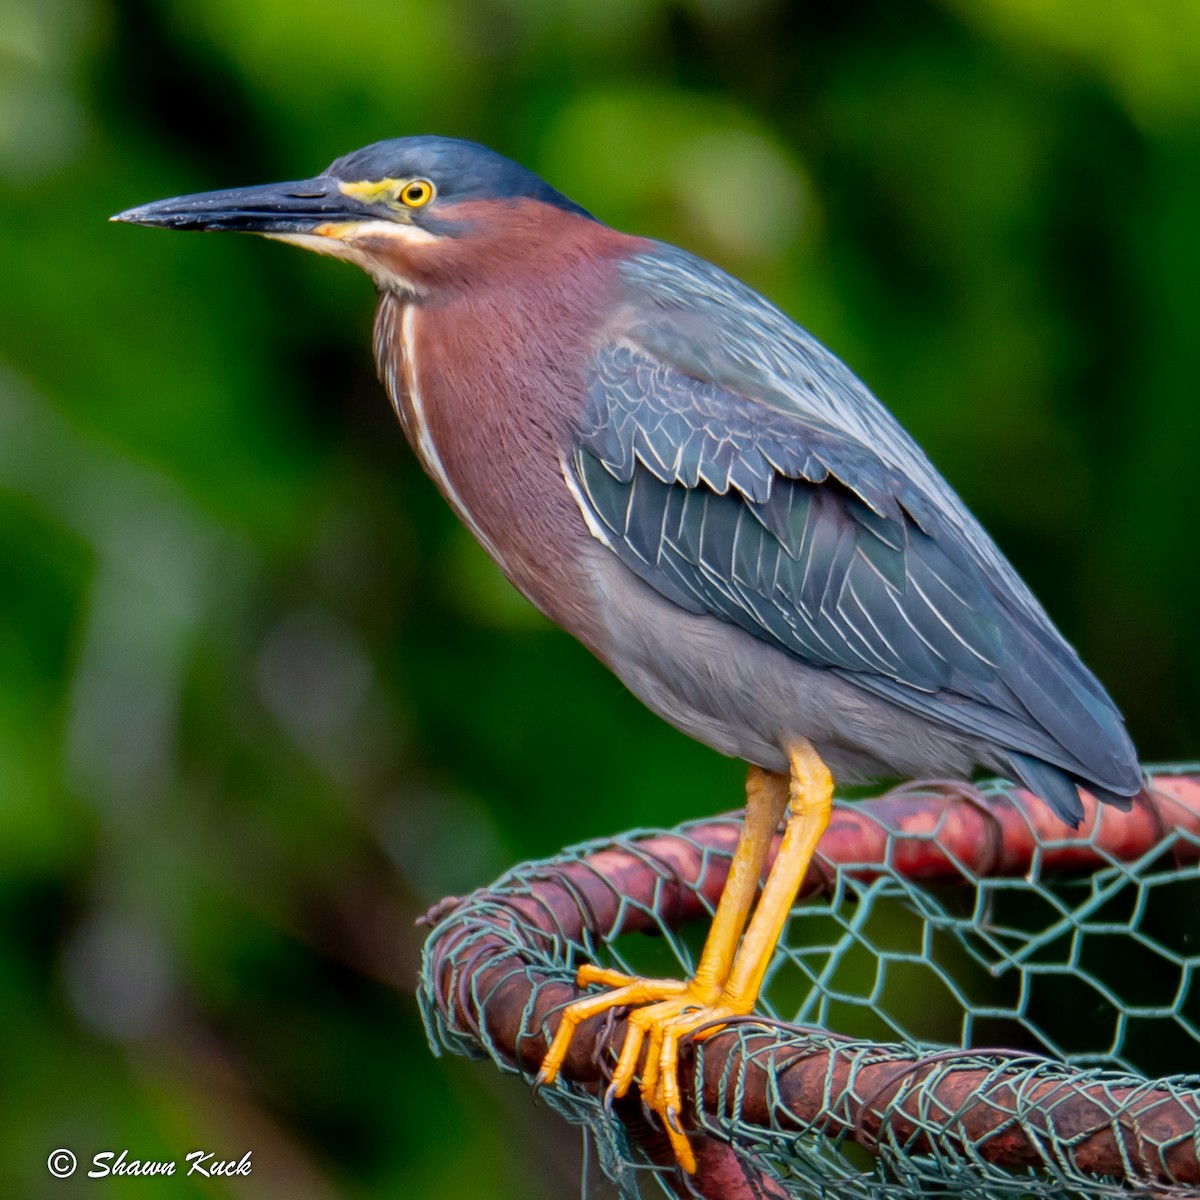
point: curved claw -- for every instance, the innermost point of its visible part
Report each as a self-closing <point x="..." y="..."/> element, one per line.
<point x="679" y="1142"/>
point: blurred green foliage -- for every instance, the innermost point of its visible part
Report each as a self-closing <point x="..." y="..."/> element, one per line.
<point x="263" y="700"/>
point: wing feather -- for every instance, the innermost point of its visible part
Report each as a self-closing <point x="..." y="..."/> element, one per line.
<point x="754" y="488"/>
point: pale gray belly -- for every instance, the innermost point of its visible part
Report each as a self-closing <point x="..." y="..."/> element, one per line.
<point x="743" y="697"/>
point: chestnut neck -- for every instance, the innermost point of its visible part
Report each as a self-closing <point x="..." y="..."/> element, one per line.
<point x="482" y="244"/>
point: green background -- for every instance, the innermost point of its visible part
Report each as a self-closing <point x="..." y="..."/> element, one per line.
<point x="262" y="700"/>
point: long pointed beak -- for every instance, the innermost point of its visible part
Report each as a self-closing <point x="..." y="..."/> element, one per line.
<point x="277" y="208"/>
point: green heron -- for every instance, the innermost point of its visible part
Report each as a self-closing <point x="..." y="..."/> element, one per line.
<point x="709" y="500"/>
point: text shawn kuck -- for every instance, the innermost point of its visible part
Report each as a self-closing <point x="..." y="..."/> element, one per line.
<point x="199" y="1162"/>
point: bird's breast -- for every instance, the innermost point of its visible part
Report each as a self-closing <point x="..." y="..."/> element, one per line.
<point x="398" y="358"/>
<point x="486" y="403"/>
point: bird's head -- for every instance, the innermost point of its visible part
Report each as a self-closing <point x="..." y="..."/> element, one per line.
<point x="413" y="212"/>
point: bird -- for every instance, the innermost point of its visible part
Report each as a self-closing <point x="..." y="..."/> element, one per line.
<point x="683" y="478"/>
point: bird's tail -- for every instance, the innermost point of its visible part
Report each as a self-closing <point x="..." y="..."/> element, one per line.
<point x="1060" y="790"/>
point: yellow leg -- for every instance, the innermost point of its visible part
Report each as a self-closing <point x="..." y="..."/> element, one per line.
<point x="766" y="802"/>
<point x="766" y="799"/>
<point x="728" y="977"/>
<point x="808" y="818"/>
<point x="811" y="795"/>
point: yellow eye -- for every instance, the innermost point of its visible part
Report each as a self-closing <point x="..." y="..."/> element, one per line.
<point x="416" y="193"/>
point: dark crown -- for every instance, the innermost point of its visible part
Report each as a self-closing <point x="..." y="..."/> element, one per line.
<point x="460" y="170"/>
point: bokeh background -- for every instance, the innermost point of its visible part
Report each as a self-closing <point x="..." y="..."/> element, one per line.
<point x="262" y="700"/>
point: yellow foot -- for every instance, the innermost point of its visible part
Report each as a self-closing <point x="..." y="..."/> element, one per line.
<point x="733" y="964"/>
<point x="626" y="989"/>
<point x="672" y="1010"/>
<point x="661" y="1027"/>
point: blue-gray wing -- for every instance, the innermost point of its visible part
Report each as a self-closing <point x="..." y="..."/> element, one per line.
<point x="789" y="530"/>
<point x="763" y="505"/>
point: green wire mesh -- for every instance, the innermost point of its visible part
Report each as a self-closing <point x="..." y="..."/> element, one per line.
<point x="970" y="999"/>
